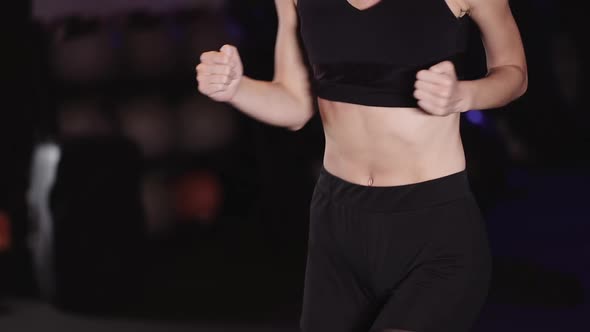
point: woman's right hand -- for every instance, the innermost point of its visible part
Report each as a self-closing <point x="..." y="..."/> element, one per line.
<point x="219" y="73"/>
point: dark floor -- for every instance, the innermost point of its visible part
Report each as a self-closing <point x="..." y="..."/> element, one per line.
<point x="541" y="243"/>
<point x="30" y="316"/>
<point x="542" y="274"/>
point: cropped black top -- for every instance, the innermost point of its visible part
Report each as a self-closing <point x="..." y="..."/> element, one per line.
<point x="371" y="56"/>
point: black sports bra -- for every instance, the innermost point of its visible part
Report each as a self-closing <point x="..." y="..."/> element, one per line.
<point x="371" y="56"/>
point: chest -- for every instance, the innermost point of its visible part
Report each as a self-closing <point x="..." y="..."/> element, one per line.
<point x="387" y="29"/>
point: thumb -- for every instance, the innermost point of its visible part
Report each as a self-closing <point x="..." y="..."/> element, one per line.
<point x="227" y="49"/>
<point x="445" y="67"/>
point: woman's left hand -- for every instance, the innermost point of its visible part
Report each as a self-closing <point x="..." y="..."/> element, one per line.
<point x="438" y="90"/>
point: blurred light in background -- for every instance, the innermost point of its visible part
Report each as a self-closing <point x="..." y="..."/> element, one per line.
<point x="82" y="51"/>
<point x="205" y="125"/>
<point x="48" y="10"/>
<point x="147" y="121"/>
<point x="476" y="117"/>
<point x="83" y="118"/>
<point x="157" y="203"/>
<point x="198" y="196"/>
<point x="150" y="50"/>
<point x="44" y="168"/>
<point x="5" y="232"/>
<point x="127" y="68"/>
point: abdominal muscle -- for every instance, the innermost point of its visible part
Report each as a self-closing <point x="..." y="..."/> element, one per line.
<point x="385" y="146"/>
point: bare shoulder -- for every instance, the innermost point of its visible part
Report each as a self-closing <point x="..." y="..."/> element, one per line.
<point x="499" y="31"/>
<point x="458" y="7"/>
<point x="492" y="15"/>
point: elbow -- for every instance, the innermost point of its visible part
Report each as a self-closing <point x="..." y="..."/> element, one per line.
<point x="301" y="121"/>
<point x="296" y="126"/>
<point x="524" y="85"/>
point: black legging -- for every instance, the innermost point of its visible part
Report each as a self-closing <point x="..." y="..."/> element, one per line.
<point x="400" y="258"/>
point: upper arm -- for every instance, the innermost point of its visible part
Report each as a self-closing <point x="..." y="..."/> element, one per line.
<point x="499" y="32"/>
<point x="290" y="69"/>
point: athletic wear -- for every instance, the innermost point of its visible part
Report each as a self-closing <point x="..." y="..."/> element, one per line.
<point x="412" y="257"/>
<point x="371" y="56"/>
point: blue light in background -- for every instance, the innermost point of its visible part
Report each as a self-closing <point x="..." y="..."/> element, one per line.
<point x="234" y="30"/>
<point x="116" y="38"/>
<point x="177" y="32"/>
<point x="476" y="117"/>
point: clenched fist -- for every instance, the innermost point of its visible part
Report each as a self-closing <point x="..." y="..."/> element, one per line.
<point x="219" y="73"/>
<point x="438" y="91"/>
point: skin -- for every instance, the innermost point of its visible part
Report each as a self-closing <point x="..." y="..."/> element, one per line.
<point x="378" y="146"/>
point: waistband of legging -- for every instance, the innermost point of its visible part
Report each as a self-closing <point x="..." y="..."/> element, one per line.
<point x="395" y="198"/>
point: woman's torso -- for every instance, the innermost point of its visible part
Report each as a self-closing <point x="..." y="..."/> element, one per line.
<point x="384" y="146"/>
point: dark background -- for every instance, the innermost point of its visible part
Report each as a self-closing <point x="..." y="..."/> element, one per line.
<point x="172" y="212"/>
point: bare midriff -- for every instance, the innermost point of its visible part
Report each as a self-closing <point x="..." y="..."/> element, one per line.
<point x="385" y="146"/>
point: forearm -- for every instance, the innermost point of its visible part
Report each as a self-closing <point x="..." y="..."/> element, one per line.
<point x="271" y="103"/>
<point x="501" y="86"/>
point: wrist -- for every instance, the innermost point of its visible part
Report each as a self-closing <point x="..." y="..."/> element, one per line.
<point x="467" y="93"/>
<point x="238" y="92"/>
